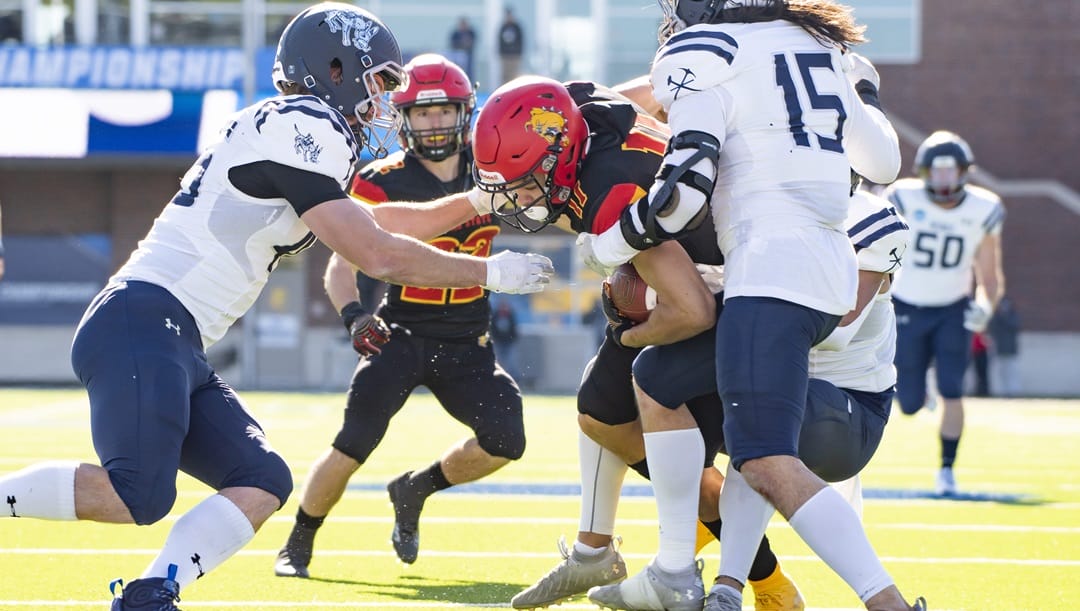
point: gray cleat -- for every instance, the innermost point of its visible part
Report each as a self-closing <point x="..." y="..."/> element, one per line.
<point x="723" y="599"/>
<point x="655" y="589"/>
<point x="574" y="575"/>
<point x="920" y="604"/>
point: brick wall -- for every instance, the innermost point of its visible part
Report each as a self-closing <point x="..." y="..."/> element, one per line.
<point x="1005" y="76"/>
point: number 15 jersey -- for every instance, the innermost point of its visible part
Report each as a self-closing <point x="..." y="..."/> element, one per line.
<point x="790" y="126"/>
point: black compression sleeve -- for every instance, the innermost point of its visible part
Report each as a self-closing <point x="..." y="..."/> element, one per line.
<point x="269" y="179"/>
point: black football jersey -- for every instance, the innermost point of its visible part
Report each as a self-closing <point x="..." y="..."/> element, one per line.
<point x="448" y="314"/>
<point x="626" y="149"/>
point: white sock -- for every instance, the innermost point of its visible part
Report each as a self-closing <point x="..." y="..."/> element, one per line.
<point x="602" y="476"/>
<point x="45" y="490"/>
<point x="745" y="515"/>
<point x="675" y="459"/>
<point x="832" y="529"/>
<point x="204" y="537"/>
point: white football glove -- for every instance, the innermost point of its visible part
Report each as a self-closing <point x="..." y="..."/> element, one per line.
<point x="514" y="272"/>
<point x="713" y="275"/>
<point x="977" y="315"/>
<point x="603" y="253"/>
<point x="858" y="68"/>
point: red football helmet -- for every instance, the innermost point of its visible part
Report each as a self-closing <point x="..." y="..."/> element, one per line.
<point x="433" y="79"/>
<point x="530" y="133"/>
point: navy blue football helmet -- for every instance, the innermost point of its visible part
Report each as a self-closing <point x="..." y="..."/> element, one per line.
<point x="943" y="161"/>
<point x="348" y="58"/>
<point x="681" y="14"/>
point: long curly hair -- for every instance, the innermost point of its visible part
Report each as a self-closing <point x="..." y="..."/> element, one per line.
<point x="828" y="21"/>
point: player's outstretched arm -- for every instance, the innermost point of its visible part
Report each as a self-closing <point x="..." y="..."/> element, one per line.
<point x="427" y="220"/>
<point x="349" y="229"/>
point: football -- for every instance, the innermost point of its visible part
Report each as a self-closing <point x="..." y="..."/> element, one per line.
<point x="629" y="293"/>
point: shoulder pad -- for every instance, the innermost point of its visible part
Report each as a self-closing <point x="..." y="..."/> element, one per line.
<point x="303" y="133"/>
<point x="877" y="232"/>
<point x="693" y="60"/>
<point x="995" y="216"/>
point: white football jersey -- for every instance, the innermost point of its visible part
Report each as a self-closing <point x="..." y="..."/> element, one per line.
<point x="213" y="246"/>
<point x="880" y="237"/>
<point x="939" y="269"/>
<point x="788" y="121"/>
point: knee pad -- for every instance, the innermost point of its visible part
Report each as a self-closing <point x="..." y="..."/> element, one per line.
<point x="147" y="504"/>
<point x="358" y="437"/>
<point x="826" y="447"/>
<point x="507" y="443"/>
<point x="909" y="403"/>
<point x="270" y="474"/>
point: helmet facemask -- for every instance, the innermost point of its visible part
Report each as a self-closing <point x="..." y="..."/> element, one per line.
<point x="945" y="178"/>
<point x="943" y="161"/>
<point x="507" y="202"/>
<point x="377" y="120"/>
<point x="449" y="140"/>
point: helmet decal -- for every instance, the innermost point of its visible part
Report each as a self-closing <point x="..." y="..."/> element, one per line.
<point x="550" y="124"/>
<point x="355" y="30"/>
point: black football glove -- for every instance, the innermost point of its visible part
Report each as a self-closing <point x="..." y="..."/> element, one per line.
<point x="368" y="331"/>
<point x="618" y="323"/>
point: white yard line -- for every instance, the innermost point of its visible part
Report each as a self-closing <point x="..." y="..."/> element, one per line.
<point x="30" y="551"/>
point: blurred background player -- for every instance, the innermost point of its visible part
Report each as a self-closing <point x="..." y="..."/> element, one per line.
<point x="574" y="156"/>
<point x="270" y="185"/>
<point x="439" y="338"/>
<point x="955" y="247"/>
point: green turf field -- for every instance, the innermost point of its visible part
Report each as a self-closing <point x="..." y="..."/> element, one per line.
<point x="1015" y="545"/>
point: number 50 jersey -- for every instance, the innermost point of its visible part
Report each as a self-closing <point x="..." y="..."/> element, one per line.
<point x="215" y="243"/>
<point x="938" y="267"/>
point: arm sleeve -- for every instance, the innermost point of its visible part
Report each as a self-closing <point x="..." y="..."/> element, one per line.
<point x="303" y="189"/>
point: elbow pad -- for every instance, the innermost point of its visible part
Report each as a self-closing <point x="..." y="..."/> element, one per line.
<point x="640" y="223"/>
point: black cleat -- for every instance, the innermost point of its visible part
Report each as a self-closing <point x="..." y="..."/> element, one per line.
<point x="294" y="558"/>
<point x="407" y="504"/>
<point x="289" y="564"/>
<point x="150" y="594"/>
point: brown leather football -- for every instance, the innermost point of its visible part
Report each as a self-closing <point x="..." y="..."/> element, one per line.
<point x="628" y="293"/>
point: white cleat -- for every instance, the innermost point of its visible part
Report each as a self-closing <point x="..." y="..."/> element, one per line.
<point x="574" y="575"/>
<point x="655" y="589"/>
<point x="723" y="598"/>
<point x="946" y="482"/>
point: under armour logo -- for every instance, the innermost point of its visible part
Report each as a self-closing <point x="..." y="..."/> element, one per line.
<point x="169" y="325"/>
<point x="684" y="84"/>
<point x="196" y="560"/>
<point x="11" y="502"/>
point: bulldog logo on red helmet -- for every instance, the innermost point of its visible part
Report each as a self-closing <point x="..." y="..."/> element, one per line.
<point x="550" y="124"/>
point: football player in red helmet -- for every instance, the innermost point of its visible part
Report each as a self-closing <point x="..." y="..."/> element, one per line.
<point x="576" y="155"/>
<point x="448" y="327"/>
<point x="437" y="87"/>
<point x="530" y="138"/>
